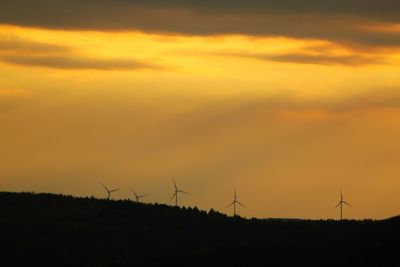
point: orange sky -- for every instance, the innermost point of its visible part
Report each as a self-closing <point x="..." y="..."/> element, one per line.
<point x="287" y="120"/>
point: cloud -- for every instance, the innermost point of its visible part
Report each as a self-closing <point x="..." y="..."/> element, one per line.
<point x="12" y="43"/>
<point x="318" y="59"/>
<point x="76" y="62"/>
<point x="25" y="52"/>
<point x="350" y="21"/>
<point x="375" y="98"/>
<point x="380" y="9"/>
<point x="328" y="54"/>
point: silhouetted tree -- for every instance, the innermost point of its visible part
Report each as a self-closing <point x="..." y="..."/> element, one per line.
<point x="55" y="230"/>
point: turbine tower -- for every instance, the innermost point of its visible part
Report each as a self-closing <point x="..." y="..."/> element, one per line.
<point x="138" y="197"/>
<point x="109" y="192"/>
<point x="176" y="192"/>
<point x="235" y="202"/>
<point x="341" y="202"/>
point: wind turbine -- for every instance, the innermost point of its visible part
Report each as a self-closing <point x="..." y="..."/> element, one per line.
<point x="341" y="202"/>
<point x="177" y="191"/>
<point x="109" y="192"/>
<point x="234" y="203"/>
<point x="138" y="197"/>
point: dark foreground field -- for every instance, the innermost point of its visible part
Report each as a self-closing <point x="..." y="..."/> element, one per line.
<point x="52" y="230"/>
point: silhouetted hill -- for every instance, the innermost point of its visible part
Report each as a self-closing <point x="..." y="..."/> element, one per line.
<point x="54" y="230"/>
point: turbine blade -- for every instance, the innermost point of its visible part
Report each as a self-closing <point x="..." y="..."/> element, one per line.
<point x="172" y="197"/>
<point x="233" y="203"/>
<point x="115" y="190"/>
<point x="142" y="196"/>
<point x="173" y="179"/>
<point x="133" y="191"/>
<point x="337" y="205"/>
<point x="240" y="204"/>
<point x="180" y="191"/>
<point x="347" y="204"/>
<point x="105" y="188"/>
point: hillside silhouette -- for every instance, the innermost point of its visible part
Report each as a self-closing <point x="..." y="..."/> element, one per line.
<point x="56" y="230"/>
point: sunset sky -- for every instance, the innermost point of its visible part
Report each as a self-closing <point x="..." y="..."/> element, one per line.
<point x="287" y="100"/>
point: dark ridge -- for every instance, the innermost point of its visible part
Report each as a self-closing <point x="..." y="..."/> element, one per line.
<point x="57" y="230"/>
<point x="394" y="219"/>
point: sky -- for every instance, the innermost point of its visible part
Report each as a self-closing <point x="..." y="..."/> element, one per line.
<point x="288" y="101"/>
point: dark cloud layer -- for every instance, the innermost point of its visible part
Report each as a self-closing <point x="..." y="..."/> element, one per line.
<point x="343" y="21"/>
<point x="382" y="9"/>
